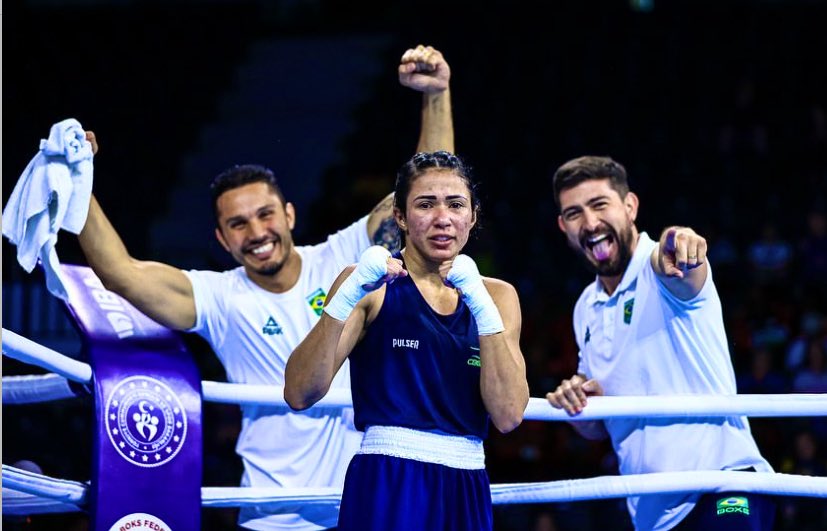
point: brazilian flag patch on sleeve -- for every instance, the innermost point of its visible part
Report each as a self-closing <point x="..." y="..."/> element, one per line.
<point x="316" y="301"/>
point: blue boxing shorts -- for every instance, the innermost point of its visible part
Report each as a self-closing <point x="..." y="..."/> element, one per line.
<point x="413" y="489"/>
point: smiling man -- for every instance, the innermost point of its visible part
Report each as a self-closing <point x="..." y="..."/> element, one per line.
<point x="651" y="324"/>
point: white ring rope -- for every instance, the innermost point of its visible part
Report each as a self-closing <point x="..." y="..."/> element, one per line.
<point x="34" y="388"/>
<point x="686" y="406"/>
<point x="19" y="503"/>
<point x="266" y="395"/>
<point x="271" y="499"/>
<point x="25" y="350"/>
<point x="659" y="483"/>
<point x="602" y="487"/>
<point x="277" y="500"/>
<point x="61" y="490"/>
<point x="601" y="407"/>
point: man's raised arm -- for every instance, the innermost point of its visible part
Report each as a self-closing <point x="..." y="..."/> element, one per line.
<point x="162" y="292"/>
<point x="423" y="69"/>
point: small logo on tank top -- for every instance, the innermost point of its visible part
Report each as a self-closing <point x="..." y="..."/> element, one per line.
<point x="732" y="505"/>
<point x="406" y="343"/>
<point x="271" y="328"/>
<point x="474" y="361"/>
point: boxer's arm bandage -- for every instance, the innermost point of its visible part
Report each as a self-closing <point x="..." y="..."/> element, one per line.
<point x="372" y="266"/>
<point x="465" y="276"/>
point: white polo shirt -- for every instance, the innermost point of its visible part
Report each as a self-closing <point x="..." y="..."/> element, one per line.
<point x="642" y="340"/>
<point x="253" y="332"/>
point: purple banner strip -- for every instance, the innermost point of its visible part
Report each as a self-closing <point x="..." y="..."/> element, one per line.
<point x="104" y="316"/>
<point x="148" y="442"/>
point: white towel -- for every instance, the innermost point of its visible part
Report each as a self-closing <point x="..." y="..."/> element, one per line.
<point x="53" y="193"/>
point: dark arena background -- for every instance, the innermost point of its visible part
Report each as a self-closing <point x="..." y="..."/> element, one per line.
<point x="717" y="109"/>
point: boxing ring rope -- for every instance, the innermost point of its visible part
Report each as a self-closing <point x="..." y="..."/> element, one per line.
<point x="25" y="350"/>
<point x="29" y="493"/>
<point x="34" y="388"/>
<point x="276" y="500"/>
<point x="600" y="407"/>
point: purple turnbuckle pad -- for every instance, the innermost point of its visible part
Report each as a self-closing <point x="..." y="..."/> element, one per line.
<point x="147" y="466"/>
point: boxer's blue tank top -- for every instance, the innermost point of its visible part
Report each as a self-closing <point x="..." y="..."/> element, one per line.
<point x="418" y="369"/>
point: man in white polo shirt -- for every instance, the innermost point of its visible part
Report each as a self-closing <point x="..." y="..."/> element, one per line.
<point x="651" y="324"/>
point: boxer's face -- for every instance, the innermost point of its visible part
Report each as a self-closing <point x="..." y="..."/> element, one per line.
<point x="254" y="226"/>
<point x="439" y="214"/>
<point x="599" y="225"/>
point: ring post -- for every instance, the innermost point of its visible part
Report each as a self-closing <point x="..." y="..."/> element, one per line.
<point x="147" y="466"/>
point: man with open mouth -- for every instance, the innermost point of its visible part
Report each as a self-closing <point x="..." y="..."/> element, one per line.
<point x="651" y="324"/>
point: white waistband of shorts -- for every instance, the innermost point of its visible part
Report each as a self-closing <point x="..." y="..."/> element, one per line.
<point x="455" y="451"/>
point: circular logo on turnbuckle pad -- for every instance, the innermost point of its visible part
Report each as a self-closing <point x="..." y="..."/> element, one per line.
<point x="145" y="421"/>
<point x="141" y="521"/>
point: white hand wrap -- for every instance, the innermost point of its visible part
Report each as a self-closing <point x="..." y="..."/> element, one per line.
<point x="465" y="276"/>
<point x="372" y="266"/>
